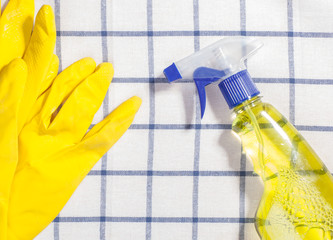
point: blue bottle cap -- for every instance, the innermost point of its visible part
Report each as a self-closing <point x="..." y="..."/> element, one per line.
<point x="238" y="88"/>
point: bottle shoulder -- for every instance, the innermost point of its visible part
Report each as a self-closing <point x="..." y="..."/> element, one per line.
<point x="256" y="108"/>
<point x="265" y="113"/>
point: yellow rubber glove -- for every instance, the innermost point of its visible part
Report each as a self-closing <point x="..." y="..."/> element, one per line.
<point x="12" y="81"/>
<point x="16" y="41"/>
<point x="55" y="150"/>
<point x="21" y="82"/>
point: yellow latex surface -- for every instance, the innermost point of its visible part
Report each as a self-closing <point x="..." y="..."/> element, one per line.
<point x="12" y="80"/>
<point x="55" y="150"/>
<point x="16" y="24"/>
<point x="18" y="77"/>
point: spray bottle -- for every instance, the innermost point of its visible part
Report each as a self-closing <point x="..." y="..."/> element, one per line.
<point x="297" y="202"/>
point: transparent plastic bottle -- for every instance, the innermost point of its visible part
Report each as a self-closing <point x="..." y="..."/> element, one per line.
<point x="297" y="202"/>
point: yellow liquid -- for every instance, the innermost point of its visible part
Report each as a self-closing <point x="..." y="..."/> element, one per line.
<point x="297" y="202"/>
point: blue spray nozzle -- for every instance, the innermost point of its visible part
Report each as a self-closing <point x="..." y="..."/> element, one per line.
<point x="172" y="73"/>
<point x="218" y="62"/>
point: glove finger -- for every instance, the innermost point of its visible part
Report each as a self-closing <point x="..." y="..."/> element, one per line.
<point x="12" y="81"/>
<point x="16" y="23"/>
<point x="64" y="85"/>
<point x="51" y="74"/>
<point x="38" y="57"/>
<point x="81" y="157"/>
<point x="79" y="109"/>
<point x="45" y="90"/>
<point x="107" y="132"/>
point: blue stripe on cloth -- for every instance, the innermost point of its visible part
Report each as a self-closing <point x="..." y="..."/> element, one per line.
<point x="221" y="126"/>
<point x="193" y="33"/>
<point x="105" y="113"/>
<point x="195" y="194"/>
<point x="149" y="187"/>
<point x="256" y="80"/>
<point x="242" y="184"/>
<point x="306" y="128"/>
<point x="156" y="219"/>
<point x="242" y="159"/>
<point x="57" y="22"/>
<point x="242" y="14"/>
<point x="295" y="81"/>
<point x="291" y="62"/>
<point x="174" y="173"/>
<point x="56" y="230"/>
<point x="180" y="126"/>
<point x="58" y="52"/>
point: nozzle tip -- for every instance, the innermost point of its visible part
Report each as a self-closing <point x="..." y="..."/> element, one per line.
<point x="172" y="73"/>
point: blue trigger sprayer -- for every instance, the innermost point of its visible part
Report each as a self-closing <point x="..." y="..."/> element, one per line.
<point x="216" y="63"/>
<point x="297" y="202"/>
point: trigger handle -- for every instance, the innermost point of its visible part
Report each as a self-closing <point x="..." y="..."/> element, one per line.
<point x="202" y="77"/>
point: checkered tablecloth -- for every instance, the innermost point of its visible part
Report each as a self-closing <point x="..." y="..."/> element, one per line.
<point x="173" y="176"/>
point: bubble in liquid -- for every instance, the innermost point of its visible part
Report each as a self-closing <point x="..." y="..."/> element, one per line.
<point x="298" y="210"/>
